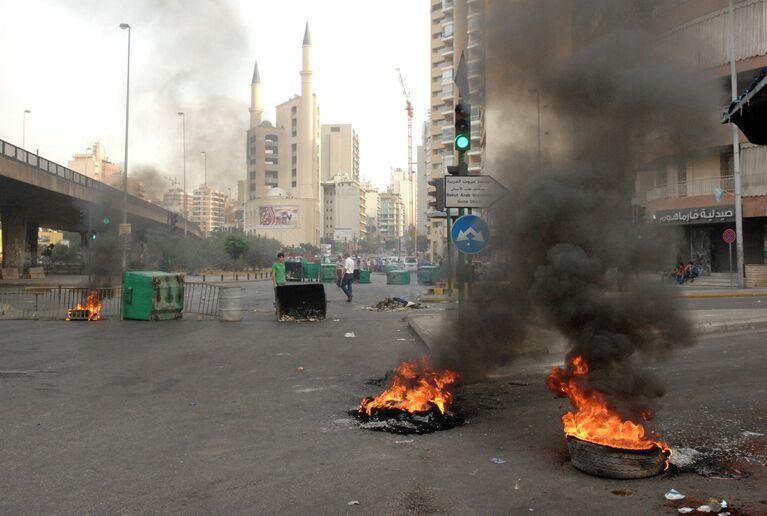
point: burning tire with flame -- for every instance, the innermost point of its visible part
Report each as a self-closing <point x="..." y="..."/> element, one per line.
<point x="600" y="441"/>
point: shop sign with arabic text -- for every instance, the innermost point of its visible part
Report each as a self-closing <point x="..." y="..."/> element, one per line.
<point x="705" y="215"/>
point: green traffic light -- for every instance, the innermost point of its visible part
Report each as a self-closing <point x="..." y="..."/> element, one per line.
<point x="106" y="220"/>
<point x="93" y="236"/>
<point x="462" y="142"/>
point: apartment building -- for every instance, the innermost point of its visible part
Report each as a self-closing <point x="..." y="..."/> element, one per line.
<point x="391" y="216"/>
<point x="208" y="209"/>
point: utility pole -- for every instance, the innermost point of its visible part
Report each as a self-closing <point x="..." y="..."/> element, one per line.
<point x="183" y="132"/>
<point x="736" y="154"/>
<point x="125" y="163"/>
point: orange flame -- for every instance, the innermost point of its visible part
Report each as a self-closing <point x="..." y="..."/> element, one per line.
<point x="594" y="420"/>
<point x="416" y="387"/>
<point x="92" y="305"/>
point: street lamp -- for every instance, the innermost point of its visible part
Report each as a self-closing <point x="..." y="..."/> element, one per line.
<point x="538" y="105"/>
<point x="125" y="162"/>
<point x="183" y="130"/>
<point x="205" y="168"/>
<point x="24" y="128"/>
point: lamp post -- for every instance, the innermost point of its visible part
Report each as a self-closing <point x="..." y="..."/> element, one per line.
<point x="736" y="154"/>
<point x="125" y="162"/>
<point x="205" y="168"/>
<point x="183" y="132"/>
<point x="538" y="107"/>
<point x="24" y="128"/>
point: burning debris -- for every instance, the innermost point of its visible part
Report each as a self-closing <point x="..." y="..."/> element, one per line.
<point x="90" y="311"/>
<point x="417" y="401"/>
<point x="600" y="441"/>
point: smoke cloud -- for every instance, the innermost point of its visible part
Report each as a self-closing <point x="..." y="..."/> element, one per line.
<point x="612" y="100"/>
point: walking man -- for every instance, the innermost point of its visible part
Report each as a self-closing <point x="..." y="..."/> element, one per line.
<point x="346" y="283"/>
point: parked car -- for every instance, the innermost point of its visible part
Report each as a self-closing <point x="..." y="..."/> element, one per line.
<point x="411" y="263"/>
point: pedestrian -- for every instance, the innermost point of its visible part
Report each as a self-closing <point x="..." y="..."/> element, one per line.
<point x="278" y="271"/>
<point x="346" y="283"/>
<point x="339" y="270"/>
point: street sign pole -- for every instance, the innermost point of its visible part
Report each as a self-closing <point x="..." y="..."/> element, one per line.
<point x="729" y="236"/>
<point x="730" y="246"/>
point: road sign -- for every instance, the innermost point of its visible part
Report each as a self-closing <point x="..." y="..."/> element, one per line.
<point x="123" y="234"/>
<point x="729" y="236"/>
<point x="472" y="191"/>
<point x="470" y="234"/>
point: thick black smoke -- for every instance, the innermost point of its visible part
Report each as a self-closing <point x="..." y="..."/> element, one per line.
<point x="567" y="240"/>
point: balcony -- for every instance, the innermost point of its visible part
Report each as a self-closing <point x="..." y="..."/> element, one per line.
<point x="751" y="184"/>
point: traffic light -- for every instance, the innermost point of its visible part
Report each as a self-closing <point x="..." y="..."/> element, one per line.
<point x="106" y="221"/>
<point x="436" y="200"/>
<point x="93" y="235"/>
<point x="462" y="127"/>
<point x="173" y="219"/>
<point x="461" y="169"/>
<point x="81" y="217"/>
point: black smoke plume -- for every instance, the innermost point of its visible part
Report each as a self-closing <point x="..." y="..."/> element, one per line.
<point x="569" y="244"/>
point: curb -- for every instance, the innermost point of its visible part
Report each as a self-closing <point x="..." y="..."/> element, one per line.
<point x="703" y="295"/>
<point x="700" y="329"/>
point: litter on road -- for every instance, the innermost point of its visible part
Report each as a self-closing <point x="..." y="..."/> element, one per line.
<point x="349" y="335"/>
<point x="353" y="502"/>
<point x="496" y="460"/>
<point x="396" y="304"/>
<point x="674" y="495"/>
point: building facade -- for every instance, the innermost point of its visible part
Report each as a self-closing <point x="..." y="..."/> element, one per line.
<point x="693" y="191"/>
<point x="456" y="29"/>
<point x="208" y="209"/>
<point x="391" y="216"/>
<point x="173" y="200"/>
<point x="283" y="164"/>
<point x="95" y="164"/>
<point x="340" y="152"/>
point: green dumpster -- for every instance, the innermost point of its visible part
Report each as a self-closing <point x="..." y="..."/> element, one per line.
<point x="152" y="295"/>
<point x="328" y="273"/>
<point x="398" y="277"/>
<point x="390" y="267"/>
<point x="428" y="274"/>
<point x="311" y="271"/>
<point x="364" y="277"/>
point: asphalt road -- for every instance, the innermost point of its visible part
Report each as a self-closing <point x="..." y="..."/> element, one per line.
<point x="204" y="417"/>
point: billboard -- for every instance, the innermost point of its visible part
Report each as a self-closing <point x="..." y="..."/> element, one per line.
<point x="278" y="216"/>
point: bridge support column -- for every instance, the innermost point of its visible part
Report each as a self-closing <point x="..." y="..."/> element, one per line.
<point x="19" y="238"/>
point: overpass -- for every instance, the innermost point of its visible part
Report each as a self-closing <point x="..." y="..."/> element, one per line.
<point x="36" y="192"/>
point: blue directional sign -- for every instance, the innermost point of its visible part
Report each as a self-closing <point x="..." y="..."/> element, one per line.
<point x="470" y="234"/>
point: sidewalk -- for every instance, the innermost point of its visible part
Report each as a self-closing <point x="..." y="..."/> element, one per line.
<point x="429" y="327"/>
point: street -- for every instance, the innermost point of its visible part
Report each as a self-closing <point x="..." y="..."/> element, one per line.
<point x="194" y="417"/>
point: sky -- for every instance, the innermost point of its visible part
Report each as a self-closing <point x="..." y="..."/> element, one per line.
<point x="65" y="61"/>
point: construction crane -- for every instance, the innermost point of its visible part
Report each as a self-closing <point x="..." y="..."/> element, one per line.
<point x="413" y="202"/>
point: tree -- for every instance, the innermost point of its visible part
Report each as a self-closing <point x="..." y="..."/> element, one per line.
<point x="235" y="246"/>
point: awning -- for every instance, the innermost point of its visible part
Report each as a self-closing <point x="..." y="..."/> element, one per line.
<point x="749" y="111"/>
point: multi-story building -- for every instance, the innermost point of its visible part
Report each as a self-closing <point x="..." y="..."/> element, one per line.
<point x="401" y="184"/>
<point x="371" y="206"/>
<point x="340" y="152"/>
<point x="208" y="207"/>
<point x="344" y="209"/>
<point x="456" y="30"/>
<point x="95" y="164"/>
<point x="173" y="200"/>
<point x="391" y="216"/>
<point x="283" y="163"/>
<point x="695" y="190"/>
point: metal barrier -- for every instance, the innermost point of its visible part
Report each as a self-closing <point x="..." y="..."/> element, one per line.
<point x="201" y="298"/>
<point x="53" y="302"/>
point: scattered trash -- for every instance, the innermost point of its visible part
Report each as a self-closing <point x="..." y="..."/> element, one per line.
<point x="300" y="369"/>
<point x="674" y="495"/>
<point x="397" y="304"/>
<point x="336" y="320"/>
<point x="685" y="510"/>
<point x="752" y="434"/>
<point x="704" y="508"/>
<point x="496" y="460"/>
<point x="401" y="339"/>
<point x="516" y="484"/>
<point x="349" y="335"/>
<point x="282" y="354"/>
<point x="519" y="384"/>
<point x="474" y="473"/>
<point x="713" y="505"/>
<point x="353" y="502"/>
<point x="200" y="317"/>
<point x="684" y="457"/>
<point x="405" y="441"/>
<point x="193" y="404"/>
<point x="303" y="314"/>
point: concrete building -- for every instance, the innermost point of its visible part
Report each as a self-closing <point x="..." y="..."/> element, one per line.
<point x="456" y="28"/>
<point x="371" y="205"/>
<point x="400" y="183"/>
<point x="344" y="209"/>
<point x="422" y="188"/>
<point x="674" y="188"/>
<point x="283" y="164"/>
<point x="95" y="164"/>
<point x="340" y="152"/>
<point x="391" y="216"/>
<point x="208" y="209"/>
<point x="173" y="200"/>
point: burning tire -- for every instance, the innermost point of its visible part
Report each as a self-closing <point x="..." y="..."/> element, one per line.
<point x="606" y="461"/>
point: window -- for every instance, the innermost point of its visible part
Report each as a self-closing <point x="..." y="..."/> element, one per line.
<point x="335" y="129"/>
<point x="447" y="75"/>
<point x="660" y="177"/>
<point x="252" y="175"/>
<point x="447" y="30"/>
<point x="271" y="138"/>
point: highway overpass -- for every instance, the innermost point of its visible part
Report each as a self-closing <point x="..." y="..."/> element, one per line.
<point x="36" y="192"/>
